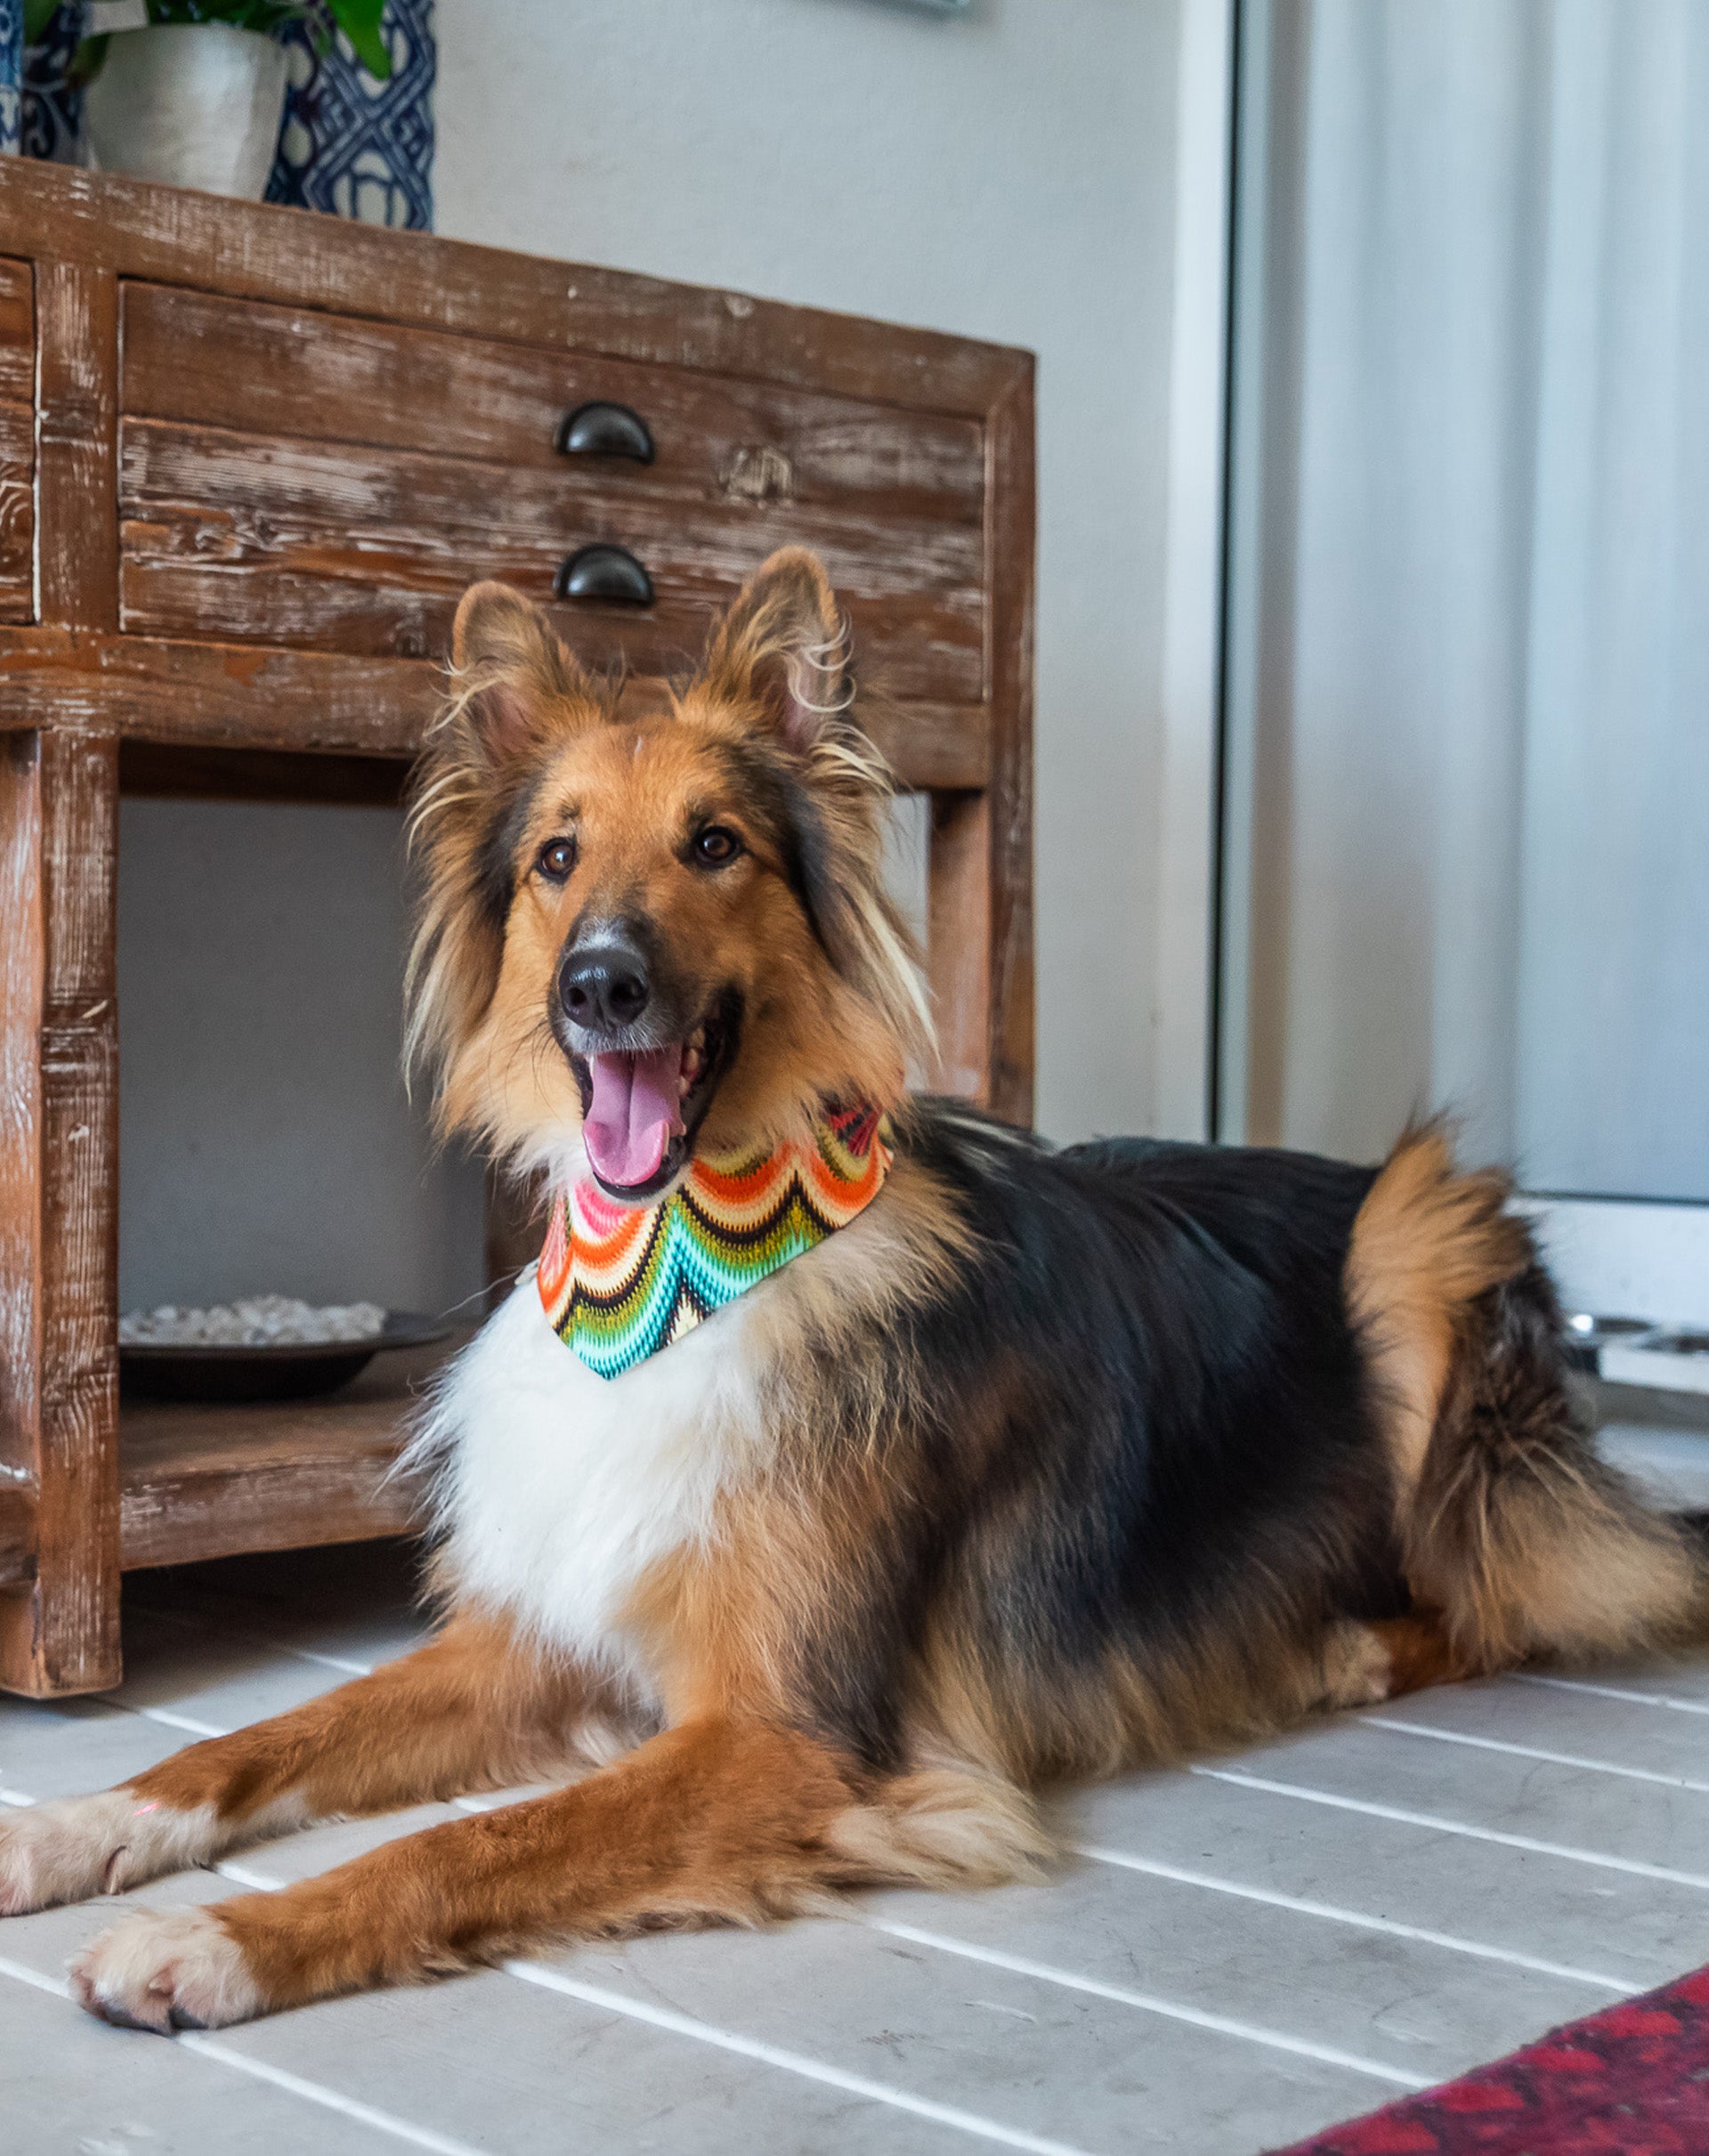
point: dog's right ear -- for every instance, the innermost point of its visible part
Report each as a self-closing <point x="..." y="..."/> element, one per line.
<point x="512" y="676"/>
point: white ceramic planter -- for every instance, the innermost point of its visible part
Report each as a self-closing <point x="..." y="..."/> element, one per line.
<point x="191" y="104"/>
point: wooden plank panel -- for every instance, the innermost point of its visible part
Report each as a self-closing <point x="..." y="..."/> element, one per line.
<point x="239" y="697"/>
<point x="203" y="360"/>
<point x="227" y="695"/>
<point x="76" y="500"/>
<point x="59" y="796"/>
<point x="17" y="441"/>
<point x="128" y="226"/>
<point x="21" y="1027"/>
<point x="17" y="512"/>
<point x="957" y="943"/>
<point x="17" y="332"/>
<point x="1009" y="545"/>
<point x="354" y="550"/>
<point x="202" y="1482"/>
<point x="17" y="1536"/>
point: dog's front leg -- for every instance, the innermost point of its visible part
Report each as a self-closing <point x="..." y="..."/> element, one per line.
<point x="473" y="1708"/>
<point x="713" y="1821"/>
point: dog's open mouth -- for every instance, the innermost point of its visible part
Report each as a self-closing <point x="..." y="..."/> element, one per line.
<point x="642" y="1107"/>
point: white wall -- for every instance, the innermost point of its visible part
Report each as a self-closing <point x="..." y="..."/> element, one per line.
<point x="1007" y="172"/>
<point x="265" y="1140"/>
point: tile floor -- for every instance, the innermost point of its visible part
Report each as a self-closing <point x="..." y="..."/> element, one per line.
<point x="1233" y="1956"/>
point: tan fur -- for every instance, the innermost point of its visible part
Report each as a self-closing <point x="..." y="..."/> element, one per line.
<point x="1360" y="1666"/>
<point x="1513" y="1533"/>
<point x="1427" y="1242"/>
<point x="474" y="1710"/>
<point x="946" y="1828"/>
<point x="1417" y="1652"/>
<point x="1546" y="1551"/>
<point x="181" y="1969"/>
<point x="820" y="1023"/>
<point x="714" y="1820"/>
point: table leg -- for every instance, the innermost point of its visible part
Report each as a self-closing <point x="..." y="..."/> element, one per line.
<point x="58" y="1203"/>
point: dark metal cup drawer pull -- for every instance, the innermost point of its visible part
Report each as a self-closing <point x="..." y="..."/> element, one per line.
<point x="606" y="430"/>
<point x="602" y="572"/>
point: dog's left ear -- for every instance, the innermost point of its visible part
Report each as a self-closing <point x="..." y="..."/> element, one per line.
<point x="782" y="651"/>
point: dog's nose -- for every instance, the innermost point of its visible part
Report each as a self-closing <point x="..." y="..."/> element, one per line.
<point x="605" y="987"/>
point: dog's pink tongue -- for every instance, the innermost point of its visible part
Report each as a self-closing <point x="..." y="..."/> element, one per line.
<point x="634" y="1113"/>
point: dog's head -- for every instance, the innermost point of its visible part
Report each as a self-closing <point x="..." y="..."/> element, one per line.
<point x="656" y="929"/>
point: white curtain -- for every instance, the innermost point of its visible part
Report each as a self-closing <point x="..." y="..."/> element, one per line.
<point x="1467" y="846"/>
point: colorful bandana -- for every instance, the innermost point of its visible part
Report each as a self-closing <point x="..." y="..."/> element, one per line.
<point x="620" y="1282"/>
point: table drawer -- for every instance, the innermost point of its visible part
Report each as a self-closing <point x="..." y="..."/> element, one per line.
<point x="294" y="477"/>
<point x="16" y="442"/>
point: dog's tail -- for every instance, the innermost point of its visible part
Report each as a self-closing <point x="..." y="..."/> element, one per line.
<point x="1512" y="1529"/>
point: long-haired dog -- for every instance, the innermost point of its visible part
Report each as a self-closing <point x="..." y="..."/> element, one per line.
<point x="856" y="1465"/>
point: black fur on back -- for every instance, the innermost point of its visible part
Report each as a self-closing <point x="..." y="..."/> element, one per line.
<point x="1140" y="1413"/>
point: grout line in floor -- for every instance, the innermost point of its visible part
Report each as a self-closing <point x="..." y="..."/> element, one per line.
<point x="241" y="1876"/>
<point x="1440" y="1825"/>
<point x="21" y="1973"/>
<point x="329" y="2099"/>
<point x="1065" y="1980"/>
<point x="773" y="2054"/>
<point x="168" y="1720"/>
<point x="1530" y="1751"/>
<point x="791" y="2062"/>
<point x="1196" y="2017"/>
<point x="1274" y="1899"/>
<point x="1614" y="1692"/>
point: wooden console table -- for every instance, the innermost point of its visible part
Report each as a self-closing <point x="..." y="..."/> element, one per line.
<point x="248" y="460"/>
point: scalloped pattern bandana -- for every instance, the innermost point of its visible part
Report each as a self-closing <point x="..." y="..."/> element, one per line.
<point x="620" y="1282"/>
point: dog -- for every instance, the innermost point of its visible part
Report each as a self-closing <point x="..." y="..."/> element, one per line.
<point x="854" y="1467"/>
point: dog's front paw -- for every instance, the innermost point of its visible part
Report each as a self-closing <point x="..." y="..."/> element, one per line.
<point x="178" y="1970"/>
<point x="63" y="1850"/>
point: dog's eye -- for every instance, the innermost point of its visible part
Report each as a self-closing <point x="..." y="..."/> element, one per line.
<point x="557" y="859"/>
<point x="716" y="846"/>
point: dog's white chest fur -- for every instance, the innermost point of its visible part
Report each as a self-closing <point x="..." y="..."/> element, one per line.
<point x="562" y="1488"/>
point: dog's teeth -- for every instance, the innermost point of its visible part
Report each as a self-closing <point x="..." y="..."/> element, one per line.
<point x="697" y="1039"/>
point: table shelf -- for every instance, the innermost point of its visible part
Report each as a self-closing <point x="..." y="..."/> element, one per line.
<point x="197" y="1481"/>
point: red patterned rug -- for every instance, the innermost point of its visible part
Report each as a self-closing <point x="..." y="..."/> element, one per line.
<point x="1633" y="2081"/>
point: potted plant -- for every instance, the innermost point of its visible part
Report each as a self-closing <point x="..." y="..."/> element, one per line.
<point x="192" y="95"/>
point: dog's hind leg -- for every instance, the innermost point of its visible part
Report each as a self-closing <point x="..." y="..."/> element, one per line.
<point x="718" y="1820"/>
<point x="1514" y="1533"/>
<point x="474" y="1708"/>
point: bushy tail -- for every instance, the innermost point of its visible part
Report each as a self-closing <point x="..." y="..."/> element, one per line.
<point x="1512" y="1526"/>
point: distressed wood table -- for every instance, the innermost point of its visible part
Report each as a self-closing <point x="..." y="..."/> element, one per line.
<point x="248" y="460"/>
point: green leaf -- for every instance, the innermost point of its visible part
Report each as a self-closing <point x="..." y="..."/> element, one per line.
<point x="86" y="61"/>
<point x="38" y="15"/>
<point x="265" y="17"/>
<point x="359" y="20"/>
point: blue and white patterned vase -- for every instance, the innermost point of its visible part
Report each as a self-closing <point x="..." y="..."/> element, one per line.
<point x="354" y="146"/>
<point x="12" y="76"/>
<point x="53" y="104"/>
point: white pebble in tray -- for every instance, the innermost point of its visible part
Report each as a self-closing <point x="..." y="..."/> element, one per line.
<point x="257" y="1321"/>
